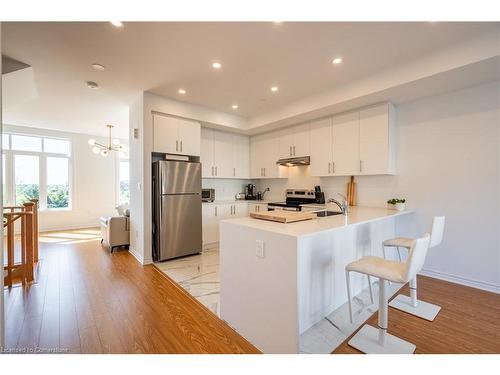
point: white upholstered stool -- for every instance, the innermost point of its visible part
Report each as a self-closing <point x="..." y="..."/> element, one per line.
<point x="411" y="304"/>
<point x="369" y="339"/>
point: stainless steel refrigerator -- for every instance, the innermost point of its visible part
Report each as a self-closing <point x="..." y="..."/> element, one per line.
<point x="176" y="209"/>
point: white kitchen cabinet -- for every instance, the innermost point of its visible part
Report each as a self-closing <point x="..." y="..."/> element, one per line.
<point x="321" y="148"/>
<point x="257" y="207"/>
<point x="207" y="152"/>
<point x="173" y="135"/>
<point x="294" y="141"/>
<point x="241" y="156"/>
<point x="224" y="155"/>
<point x="213" y="213"/>
<point x="376" y="143"/>
<point x="210" y="224"/>
<point x="264" y="151"/>
<point x="345" y="133"/>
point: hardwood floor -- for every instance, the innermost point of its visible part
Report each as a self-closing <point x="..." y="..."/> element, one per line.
<point x="469" y="320"/>
<point x="89" y="301"/>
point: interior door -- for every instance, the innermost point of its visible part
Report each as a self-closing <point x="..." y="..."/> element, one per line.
<point x="346" y="144"/>
<point x="321" y="148"/>
<point x="180" y="225"/>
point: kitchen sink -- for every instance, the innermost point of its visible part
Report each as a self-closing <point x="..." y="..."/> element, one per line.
<point x="327" y="213"/>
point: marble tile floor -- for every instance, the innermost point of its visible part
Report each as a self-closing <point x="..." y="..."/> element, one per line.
<point x="326" y="335"/>
<point x="199" y="276"/>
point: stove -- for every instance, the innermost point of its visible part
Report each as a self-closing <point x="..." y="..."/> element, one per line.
<point x="294" y="199"/>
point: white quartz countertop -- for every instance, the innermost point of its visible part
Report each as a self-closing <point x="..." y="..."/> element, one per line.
<point x="236" y="201"/>
<point x="357" y="215"/>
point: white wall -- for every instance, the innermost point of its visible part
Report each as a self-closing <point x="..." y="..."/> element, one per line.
<point x="94" y="179"/>
<point x="448" y="162"/>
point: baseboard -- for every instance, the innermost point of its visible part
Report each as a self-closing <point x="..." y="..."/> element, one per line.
<point x="137" y="256"/>
<point x="70" y="227"/>
<point x="462" y="280"/>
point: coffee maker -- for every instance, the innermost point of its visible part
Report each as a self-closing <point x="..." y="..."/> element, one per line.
<point x="250" y="192"/>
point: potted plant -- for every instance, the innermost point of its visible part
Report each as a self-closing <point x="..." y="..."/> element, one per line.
<point x="396" y="204"/>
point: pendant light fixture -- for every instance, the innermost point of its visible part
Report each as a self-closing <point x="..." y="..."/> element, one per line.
<point x="104" y="150"/>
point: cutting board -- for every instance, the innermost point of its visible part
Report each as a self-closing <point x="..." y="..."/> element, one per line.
<point x="283" y="216"/>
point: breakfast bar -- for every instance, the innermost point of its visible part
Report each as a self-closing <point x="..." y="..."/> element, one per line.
<point x="279" y="279"/>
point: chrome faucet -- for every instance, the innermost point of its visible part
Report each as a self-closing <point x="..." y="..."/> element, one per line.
<point x="344" y="206"/>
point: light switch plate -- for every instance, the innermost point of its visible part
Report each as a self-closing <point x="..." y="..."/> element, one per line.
<point x="259" y="249"/>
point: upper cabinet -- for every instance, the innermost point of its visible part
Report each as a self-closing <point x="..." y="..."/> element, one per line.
<point x="224" y="155"/>
<point x="264" y="149"/>
<point x="321" y="147"/>
<point x="376" y="140"/>
<point x="356" y="143"/>
<point x="173" y="135"/>
<point x="295" y="141"/>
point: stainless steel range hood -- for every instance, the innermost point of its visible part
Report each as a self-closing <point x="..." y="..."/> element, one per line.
<point x="293" y="162"/>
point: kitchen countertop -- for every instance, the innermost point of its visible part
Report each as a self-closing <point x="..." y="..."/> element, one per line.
<point x="357" y="215"/>
<point x="236" y="201"/>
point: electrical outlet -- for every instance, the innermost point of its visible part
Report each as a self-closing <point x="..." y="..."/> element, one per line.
<point x="259" y="249"/>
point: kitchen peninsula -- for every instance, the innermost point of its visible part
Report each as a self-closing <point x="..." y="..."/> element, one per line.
<point x="278" y="280"/>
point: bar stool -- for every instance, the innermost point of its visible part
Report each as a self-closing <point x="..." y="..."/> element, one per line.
<point x="368" y="339"/>
<point x="411" y="304"/>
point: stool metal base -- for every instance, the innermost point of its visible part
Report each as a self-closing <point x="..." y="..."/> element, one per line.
<point x="366" y="341"/>
<point x="424" y="310"/>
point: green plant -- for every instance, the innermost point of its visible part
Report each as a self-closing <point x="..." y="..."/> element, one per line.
<point x="396" y="200"/>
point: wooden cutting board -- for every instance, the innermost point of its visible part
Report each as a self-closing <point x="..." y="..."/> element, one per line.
<point x="283" y="216"/>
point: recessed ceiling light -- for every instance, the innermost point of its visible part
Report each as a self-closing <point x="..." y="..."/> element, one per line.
<point x="235" y="106"/>
<point x="98" y="66"/>
<point x="182" y="91"/>
<point x="117" y="23"/>
<point x="216" y="65"/>
<point x="92" y="85"/>
<point x="337" y="60"/>
<point x="274" y="88"/>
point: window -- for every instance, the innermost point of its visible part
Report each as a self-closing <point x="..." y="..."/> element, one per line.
<point x="27" y="178"/>
<point x="57" y="182"/>
<point x="36" y="167"/>
<point x="123" y="182"/>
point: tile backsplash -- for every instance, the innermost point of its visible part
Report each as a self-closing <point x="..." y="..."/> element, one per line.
<point x="225" y="189"/>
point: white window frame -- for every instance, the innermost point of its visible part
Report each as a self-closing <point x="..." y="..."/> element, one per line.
<point x="119" y="158"/>
<point x="10" y="183"/>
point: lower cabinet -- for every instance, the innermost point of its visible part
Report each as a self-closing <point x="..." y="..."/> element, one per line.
<point x="257" y="207"/>
<point x="212" y="213"/>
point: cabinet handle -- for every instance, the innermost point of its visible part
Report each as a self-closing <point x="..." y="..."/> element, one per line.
<point x="333" y="167"/>
<point x="181" y="146"/>
<point x="290" y="153"/>
<point x="293" y="150"/>
<point x="361" y="166"/>
<point x="234" y="172"/>
<point x="264" y="169"/>
<point x="215" y="210"/>
<point x="329" y="167"/>
<point x="215" y="170"/>
<point x="176" y="145"/>
<point x="212" y="170"/>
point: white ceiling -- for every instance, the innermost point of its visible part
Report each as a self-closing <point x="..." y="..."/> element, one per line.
<point x="162" y="57"/>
